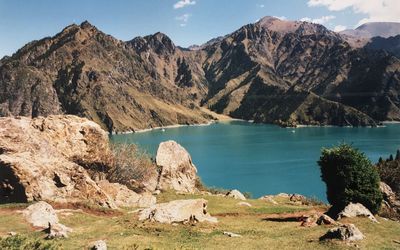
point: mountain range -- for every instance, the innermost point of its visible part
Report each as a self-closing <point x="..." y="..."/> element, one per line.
<point x="272" y="71"/>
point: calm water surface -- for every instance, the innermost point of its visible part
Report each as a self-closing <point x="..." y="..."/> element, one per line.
<point x="266" y="159"/>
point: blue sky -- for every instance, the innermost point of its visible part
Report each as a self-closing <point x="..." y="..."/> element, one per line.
<point x="187" y="22"/>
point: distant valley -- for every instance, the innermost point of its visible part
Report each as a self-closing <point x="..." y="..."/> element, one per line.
<point x="273" y="71"/>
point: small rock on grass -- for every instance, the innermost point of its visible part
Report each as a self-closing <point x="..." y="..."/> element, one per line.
<point x="245" y="204"/>
<point x="236" y="194"/>
<point x="98" y="245"/>
<point x="230" y="234"/>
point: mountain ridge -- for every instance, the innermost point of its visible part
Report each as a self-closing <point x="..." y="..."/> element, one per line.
<point x="150" y="82"/>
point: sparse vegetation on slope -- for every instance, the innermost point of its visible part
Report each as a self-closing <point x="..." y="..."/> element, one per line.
<point x="130" y="165"/>
<point x="264" y="225"/>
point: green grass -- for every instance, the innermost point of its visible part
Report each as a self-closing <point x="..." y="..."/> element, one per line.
<point x="124" y="231"/>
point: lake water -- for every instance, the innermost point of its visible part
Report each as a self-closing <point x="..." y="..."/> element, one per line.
<point x="266" y="159"/>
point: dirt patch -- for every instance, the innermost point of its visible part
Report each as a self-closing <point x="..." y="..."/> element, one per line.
<point x="292" y="217"/>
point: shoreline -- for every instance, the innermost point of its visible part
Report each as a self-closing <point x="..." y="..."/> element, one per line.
<point x="178" y="126"/>
<point x="174" y="126"/>
<point x="242" y="120"/>
<point x="162" y="127"/>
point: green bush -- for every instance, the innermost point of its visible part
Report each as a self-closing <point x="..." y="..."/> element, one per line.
<point x="350" y="177"/>
<point x="22" y="242"/>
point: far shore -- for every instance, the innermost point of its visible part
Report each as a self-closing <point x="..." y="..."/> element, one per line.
<point x="220" y="118"/>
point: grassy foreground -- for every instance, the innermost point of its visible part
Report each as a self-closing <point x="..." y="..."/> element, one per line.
<point x="262" y="226"/>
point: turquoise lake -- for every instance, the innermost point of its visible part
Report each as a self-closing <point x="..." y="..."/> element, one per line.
<point x="266" y="159"/>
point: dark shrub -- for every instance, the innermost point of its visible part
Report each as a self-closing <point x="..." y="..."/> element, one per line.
<point x="350" y="177"/>
<point x="389" y="171"/>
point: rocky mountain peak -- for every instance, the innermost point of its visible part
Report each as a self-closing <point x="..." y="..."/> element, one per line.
<point x="86" y="25"/>
<point x="160" y="42"/>
<point x="278" y="25"/>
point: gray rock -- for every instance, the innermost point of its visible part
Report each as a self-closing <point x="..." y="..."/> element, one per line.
<point x="269" y="198"/>
<point x="177" y="170"/>
<point x="57" y="230"/>
<point x="245" y="204"/>
<point x="233" y="235"/>
<point x="98" y="245"/>
<point x="347" y="232"/>
<point x="236" y="194"/>
<point x="40" y="214"/>
<point x="356" y="210"/>
<point x="326" y="220"/>
<point x="178" y="211"/>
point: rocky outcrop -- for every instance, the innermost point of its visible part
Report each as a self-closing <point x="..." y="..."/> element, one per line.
<point x="58" y="159"/>
<point x="391" y="204"/>
<point x="356" y="210"/>
<point x="124" y="197"/>
<point x="347" y="232"/>
<point x="178" y="211"/>
<point x="177" y="171"/>
<point x="236" y="194"/>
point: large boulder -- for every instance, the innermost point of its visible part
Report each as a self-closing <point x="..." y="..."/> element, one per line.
<point x="356" y="210"/>
<point x="347" y="232"/>
<point x="177" y="172"/>
<point x="178" y="211"/>
<point x="55" y="158"/>
<point x="42" y="215"/>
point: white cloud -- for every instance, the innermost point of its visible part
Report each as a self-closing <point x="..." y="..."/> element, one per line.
<point x="184" y="19"/>
<point x="321" y="20"/>
<point x="339" y="28"/>
<point x="260" y="5"/>
<point x="376" y="10"/>
<point x="183" y="3"/>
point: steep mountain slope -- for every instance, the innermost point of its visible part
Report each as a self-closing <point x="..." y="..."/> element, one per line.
<point x="273" y="71"/>
<point x="255" y="69"/>
<point x="123" y="86"/>
<point x="390" y="44"/>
